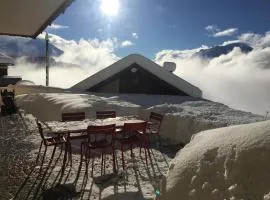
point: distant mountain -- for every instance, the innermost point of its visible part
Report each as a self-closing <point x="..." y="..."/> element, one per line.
<point x="219" y="50"/>
<point x="34" y="48"/>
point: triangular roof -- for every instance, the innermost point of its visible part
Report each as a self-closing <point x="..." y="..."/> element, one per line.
<point x="6" y="60"/>
<point x="146" y="64"/>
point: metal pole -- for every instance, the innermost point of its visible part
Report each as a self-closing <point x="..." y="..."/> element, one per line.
<point x="47" y="59"/>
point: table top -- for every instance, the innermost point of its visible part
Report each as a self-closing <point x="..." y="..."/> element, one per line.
<point x="81" y="126"/>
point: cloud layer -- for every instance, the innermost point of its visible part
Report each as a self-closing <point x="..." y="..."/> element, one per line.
<point x="90" y="56"/>
<point x="239" y="80"/>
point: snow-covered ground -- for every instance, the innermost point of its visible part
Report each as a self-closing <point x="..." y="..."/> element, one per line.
<point x="225" y="163"/>
<point x="184" y="116"/>
<point x="21" y="178"/>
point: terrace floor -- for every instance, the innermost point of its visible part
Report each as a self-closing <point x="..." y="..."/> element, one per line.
<point x="22" y="178"/>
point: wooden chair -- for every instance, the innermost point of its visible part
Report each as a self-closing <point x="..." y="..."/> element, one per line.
<point x="78" y="116"/>
<point x="99" y="138"/>
<point x="50" y="141"/>
<point x="134" y="134"/>
<point x="153" y="128"/>
<point x="105" y="114"/>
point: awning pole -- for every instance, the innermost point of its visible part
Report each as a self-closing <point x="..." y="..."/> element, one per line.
<point x="47" y="59"/>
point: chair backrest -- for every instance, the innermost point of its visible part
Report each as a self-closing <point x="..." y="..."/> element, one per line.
<point x="105" y="114"/>
<point x="101" y="132"/>
<point x="157" y="119"/>
<point x="78" y="116"/>
<point x="130" y="128"/>
<point x="40" y="130"/>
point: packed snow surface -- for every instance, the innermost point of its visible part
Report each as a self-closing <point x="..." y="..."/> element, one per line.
<point x="225" y="163"/>
<point x="184" y="116"/>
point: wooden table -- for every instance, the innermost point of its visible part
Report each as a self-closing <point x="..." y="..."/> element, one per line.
<point x="73" y="127"/>
<point x="81" y="126"/>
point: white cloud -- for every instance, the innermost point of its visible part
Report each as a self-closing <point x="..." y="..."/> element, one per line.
<point x="236" y="79"/>
<point x="230" y="42"/>
<point x="126" y="43"/>
<point x="215" y="31"/>
<point x="227" y="32"/>
<point x="212" y="28"/>
<point x="256" y="40"/>
<point x="56" y="26"/>
<point x="174" y="54"/>
<point x="135" y="35"/>
<point x="90" y="55"/>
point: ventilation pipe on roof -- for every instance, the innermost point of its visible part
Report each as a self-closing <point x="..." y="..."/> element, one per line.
<point x="169" y="66"/>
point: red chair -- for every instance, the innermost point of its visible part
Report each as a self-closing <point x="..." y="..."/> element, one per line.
<point x="67" y="117"/>
<point x="134" y="134"/>
<point x="78" y="116"/>
<point x="100" y="138"/>
<point x="105" y="114"/>
<point x="50" y="141"/>
<point x="153" y="128"/>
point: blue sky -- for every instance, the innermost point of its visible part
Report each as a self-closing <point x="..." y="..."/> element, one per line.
<point x="164" y="24"/>
<point x="167" y="30"/>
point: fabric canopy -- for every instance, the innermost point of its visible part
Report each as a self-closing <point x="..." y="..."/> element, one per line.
<point x="29" y="17"/>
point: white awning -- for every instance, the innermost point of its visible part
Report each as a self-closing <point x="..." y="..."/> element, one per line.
<point x="29" y="17"/>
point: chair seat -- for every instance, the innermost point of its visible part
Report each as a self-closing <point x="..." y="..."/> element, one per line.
<point x="149" y="131"/>
<point x="54" y="140"/>
<point x="130" y="139"/>
<point x="77" y="136"/>
<point x="99" y="144"/>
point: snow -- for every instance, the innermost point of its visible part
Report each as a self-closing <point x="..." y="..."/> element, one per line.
<point x="184" y="116"/>
<point x="145" y="63"/>
<point x="19" y="144"/>
<point x="225" y="163"/>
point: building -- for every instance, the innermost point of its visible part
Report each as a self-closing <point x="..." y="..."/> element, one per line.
<point x="137" y="74"/>
<point x="5" y="80"/>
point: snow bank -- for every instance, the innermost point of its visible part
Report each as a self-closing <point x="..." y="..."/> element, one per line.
<point x="224" y="163"/>
<point x="190" y="117"/>
<point x="48" y="107"/>
<point x="184" y="116"/>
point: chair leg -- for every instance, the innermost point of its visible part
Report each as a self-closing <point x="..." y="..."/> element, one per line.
<point x="104" y="163"/>
<point x="113" y="157"/>
<point x="86" y="156"/>
<point x="93" y="161"/>
<point x="131" y="151"/>
<point x="42" y="161"/>
<point x="39" y="151"/>
<point x="160" y="143"/>
<point x="123" y="160"/>
<point x="101" y="163"/>
<point x="64" y="163"/>
<point x="145" y="155"/>
<point x="70" y="154"/>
